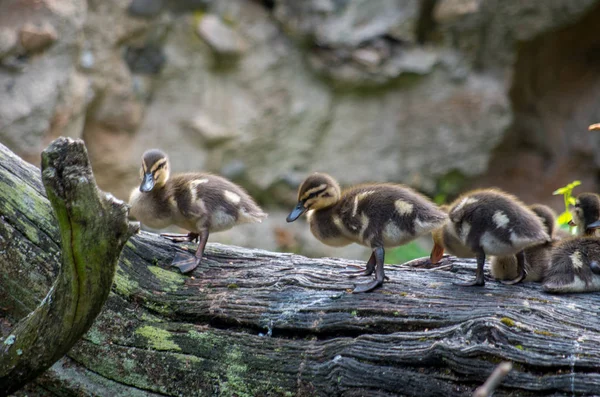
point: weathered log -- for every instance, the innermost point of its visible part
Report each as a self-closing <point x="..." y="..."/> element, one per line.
<point x="257" y="323"/>
<point x="93" y="228"/>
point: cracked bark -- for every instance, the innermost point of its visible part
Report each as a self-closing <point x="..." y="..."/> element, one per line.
<point x="252" y="323"/>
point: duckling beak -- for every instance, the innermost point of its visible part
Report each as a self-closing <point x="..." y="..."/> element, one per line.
<point x="147" y="183"/>
<point x="436" y="253"/>
<point x="296" y="212"/>
<point x="571" y="223"/>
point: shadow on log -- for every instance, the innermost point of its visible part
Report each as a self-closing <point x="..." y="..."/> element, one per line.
<point x="257" y="323"/>
<point x="93" y="229"/>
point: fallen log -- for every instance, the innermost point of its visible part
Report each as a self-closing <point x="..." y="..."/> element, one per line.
<point x="256" y="323"/>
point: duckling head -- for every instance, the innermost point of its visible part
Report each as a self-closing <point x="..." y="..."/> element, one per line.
<point x="318" y="191"/>
<point x="586" y="213"/>
<point x="154" y="171"/>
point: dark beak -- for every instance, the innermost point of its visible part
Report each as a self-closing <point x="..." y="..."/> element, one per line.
<point x="147" y="183"/>
<point x="594" y="225"/>
<point x="296" y="212"/>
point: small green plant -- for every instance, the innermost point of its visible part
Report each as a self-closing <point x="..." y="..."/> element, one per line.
<point x="567" y="192"/>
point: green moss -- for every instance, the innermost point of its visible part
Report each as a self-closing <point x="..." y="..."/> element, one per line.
<point x="545" y="333"/>
<point x="123" y="284"/>
<point x="520" y="347"/>
<point x="354" y="313"/>
<point x="507" y="321"/>
<point x="169" y="280"/>
<point x="236" y="384"/>
<point x="232" y="286"/>
<point x="158" y="338"/>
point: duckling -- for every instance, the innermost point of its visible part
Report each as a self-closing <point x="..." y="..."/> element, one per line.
<point x="585" y="212"/>
<point x="199" y="202"/>
<point x="574" y="266"/>
<point x="375" y="215"/>
<point x="537" y="258"/>
<point x="489" y="222"/>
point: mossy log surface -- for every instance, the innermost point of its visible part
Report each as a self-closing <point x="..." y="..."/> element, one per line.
<point x="93" y="228"/>
<point x="256" y="323"/>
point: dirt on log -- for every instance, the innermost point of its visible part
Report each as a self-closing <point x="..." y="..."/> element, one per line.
<point x="256" y="323"/>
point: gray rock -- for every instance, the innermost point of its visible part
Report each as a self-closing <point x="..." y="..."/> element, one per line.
<point x="211" y="133"/>
<point x="8" y="41"/>
<point x="145" y="8"/>
<point x="221" y="38"/>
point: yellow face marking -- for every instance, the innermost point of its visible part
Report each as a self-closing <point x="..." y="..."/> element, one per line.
<point x="311" y="191"/>
<point x="158" y="164"/>
<point x="576" y="260"/>
<point x="403" y="207"/>
<point x="232" y="197"/>
<point x="500" y="219"/>
<point x="360" y="196"/>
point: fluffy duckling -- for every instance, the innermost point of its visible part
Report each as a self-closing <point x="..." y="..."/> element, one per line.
<point x="584" y="213"/>
<point x="537" y="258"/>
<point x="489" y="222"/>
<point x="375" y="215"/>
<point x="574" y="266"/>
<point x="199" y="202"/>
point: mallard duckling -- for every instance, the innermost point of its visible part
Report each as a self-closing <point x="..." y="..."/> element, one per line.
<point x="375" y="215"/>
<point x="584" y="213"/>
<point x="199" y="202"/>
<point x="537" y="258"/>
<point x="489" y="222"/>
<point x="574" y="266"/>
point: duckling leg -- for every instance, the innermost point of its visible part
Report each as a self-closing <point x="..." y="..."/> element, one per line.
<point x="368" y="270"/>
<point x="180" y="238"/>
<point x="379" y="254"/>
<point x="520" y="270"/>
<point x="187" y="264"/>
<point x="479" y="281"/>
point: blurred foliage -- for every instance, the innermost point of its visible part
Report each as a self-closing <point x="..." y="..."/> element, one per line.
<point x="448" y="187"/>
<point x="405" y="253"/>
<point x="567" y="192"/>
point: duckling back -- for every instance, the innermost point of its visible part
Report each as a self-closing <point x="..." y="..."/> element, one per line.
<point x="495" y="221"/>
<point x="574" y="266"/>
<point x="387" y="214"/>
<point x="213" y="200"/>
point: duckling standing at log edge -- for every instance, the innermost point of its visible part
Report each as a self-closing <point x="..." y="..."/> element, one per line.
<point x="584" y="213"/>
<point x="199" y="202"/>
<point x="575" y="262"/>
<point x="537" y="258"/>
<point x="375" y="215"/>
<point x="489" y="222"/>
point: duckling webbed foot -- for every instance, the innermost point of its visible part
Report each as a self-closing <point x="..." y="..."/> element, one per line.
<point x="479" y="280"/>
<point x="187" y="263"/>
<point x="520" y="270"/>
<point x="181" y="238"/>
<point x="377" y="260"/>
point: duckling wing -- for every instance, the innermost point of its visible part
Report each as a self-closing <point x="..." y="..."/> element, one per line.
<point x="388" y="215"/>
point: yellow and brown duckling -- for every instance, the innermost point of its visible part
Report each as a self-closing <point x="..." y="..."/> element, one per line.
<point x="574" y="266"/>
<point x="375" y="215"/>
<point x="537" y="258"/>
<point x="489" y="222"/>
<point x="199" y="202"/>
<point x="585" y="212"/>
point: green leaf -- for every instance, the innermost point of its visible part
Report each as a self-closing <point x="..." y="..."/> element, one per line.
<point x="562" y="190"/>
<point x="574" y="184"/>
<point x="564" y="218"/>
<point x="572" y="200"/>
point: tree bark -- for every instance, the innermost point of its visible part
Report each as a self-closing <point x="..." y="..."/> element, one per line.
<point x="93" y="229"/>
<point x="256" y="323"/>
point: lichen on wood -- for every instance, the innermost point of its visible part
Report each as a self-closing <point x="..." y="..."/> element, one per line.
<point x="93" y="229"/>
<point x="256" y="323"/>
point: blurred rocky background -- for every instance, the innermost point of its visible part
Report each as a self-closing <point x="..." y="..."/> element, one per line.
<point x="444" y="95"/>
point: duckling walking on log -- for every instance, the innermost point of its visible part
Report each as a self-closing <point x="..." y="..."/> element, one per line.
<point x="537" y="258"/>
<point x="375" y="215"/>
<point x="574" y="266"/>
<point x="489" y="222"/>
<point x="199" y="202"/>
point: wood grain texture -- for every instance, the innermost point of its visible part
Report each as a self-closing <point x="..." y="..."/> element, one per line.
<point x="256" y="323"/>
